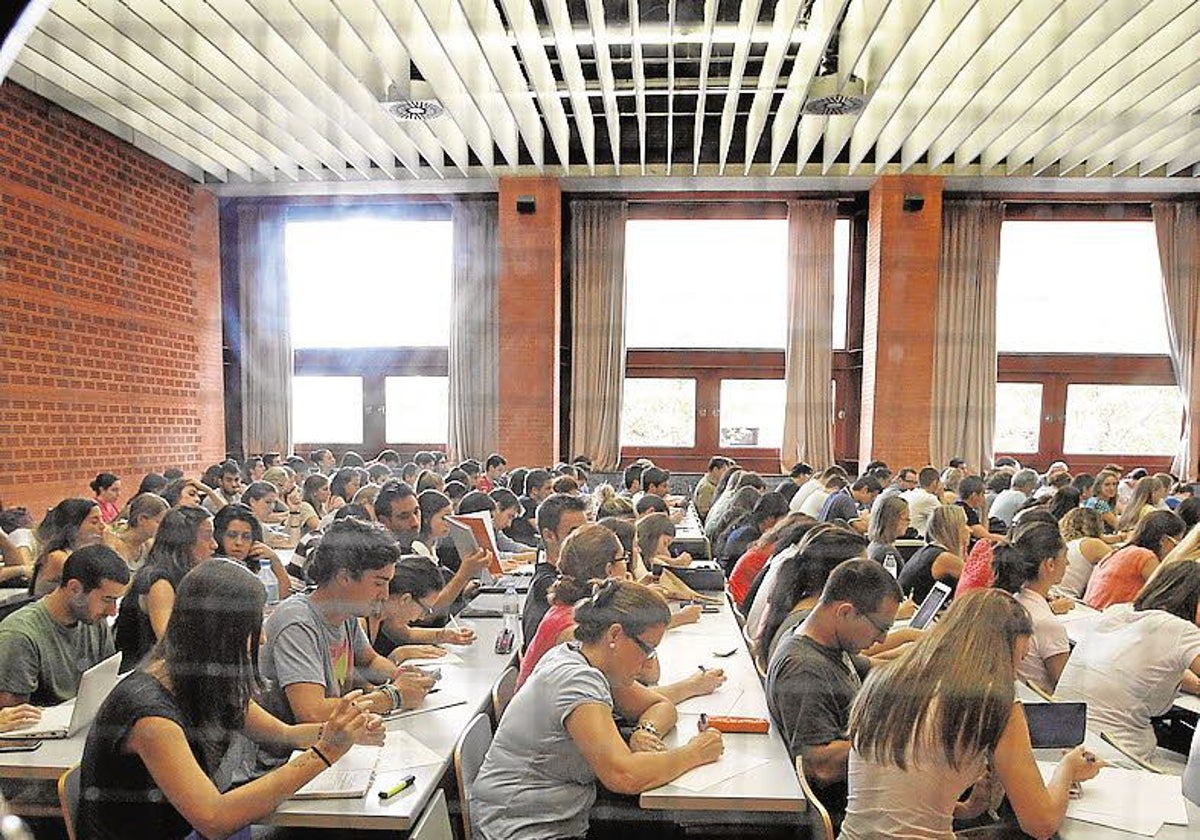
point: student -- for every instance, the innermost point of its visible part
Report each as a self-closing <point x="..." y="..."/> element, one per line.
<point x="815" y="502"/>
<point x="151" y="757"/>
<point x="971" y="500"/>
<point x="706" y="487"/>
<point x="1027" y="569"/>
<point x="1148" y="495"/>
<point x="816" y="672"/>
<point x="227" y="490"/>
<point x="185" y="492"/>
<point x="657" y="481"/>
<point x="769" y="508"/>
<point x="654" y="534"/>
<point x="239" y="537"/>
<point x="434" y="507"/>
<point x="316" y="651"/>
<point x="281" y="529"/>
<point x="315" y="495"/>
<point x="410" y="597"/>
<point x="715" y="522"/>
<point x="184" y="540"/>
<point x="151" y="483"/>
<point x="47" y="645"/>
<point x="323" y="461"/>
<point x="537" y="490"/>
<point x="797" y="477"/>
<point x="923" y="727"/>
<point x="1006" y="505"/>
<point x="752" y="561"/>
<point x="1082" y="529"/>
<point x="557" y="517"/>
<point x="924" y="499"/>
<point x="558" y="735"/>
<point x="493" y="473"/>
<point x="889" y="521"/>
<point x="397" y="509"/>
<point x="848" y="503"/>
<point x="1104" y="498"/>
<point x="132" y="538"/>
<point x="107" y="489"/>
<point x="69" y="525"/>
<point x="1134" y="661"/>
<point x="1118" y="578"/>
<point x="814" y="483"/>
<point x="342" y="487"/>
<point x="942" y="558"/>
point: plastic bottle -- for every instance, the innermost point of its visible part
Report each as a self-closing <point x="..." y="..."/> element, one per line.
<point x="268" y="580"/>
<point x="889" y="563"/>
<point x="511" y="609"/>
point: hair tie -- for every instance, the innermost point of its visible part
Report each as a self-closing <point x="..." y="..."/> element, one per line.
<point x="603" y="593"/>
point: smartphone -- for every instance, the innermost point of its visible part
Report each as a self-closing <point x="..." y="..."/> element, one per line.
<point x="504" y="642"/>
<point x="11" y="745"/>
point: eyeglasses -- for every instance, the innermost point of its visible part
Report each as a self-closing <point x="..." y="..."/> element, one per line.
<point x="428" y="610"/>
<point x="881" y="629"/>
<point x="647" y="651"/>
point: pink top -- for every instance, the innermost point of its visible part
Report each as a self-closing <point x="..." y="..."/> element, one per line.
<point x="1117" y="578"/>
<point x="108" y="511"/>
<point x="557" y="619"/>
<point x="746" y="570"/>
<point x="977" y="571"/>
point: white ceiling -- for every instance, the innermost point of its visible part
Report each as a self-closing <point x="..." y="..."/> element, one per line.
<point x="278" y="94"/>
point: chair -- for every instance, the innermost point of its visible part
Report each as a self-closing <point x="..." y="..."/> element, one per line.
<point x="434" y="822"/>
<point x="68" y="798"/>
<point x="472" y="746"/>
<point x="819" y="823"/>
<point x="1191" y="773"/>
<point x="503" y="691"/>
<point x="738" y="615"/>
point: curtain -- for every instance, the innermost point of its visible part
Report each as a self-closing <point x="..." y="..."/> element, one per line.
<point x="474" y="332"/>
<point x="964" y="345"/>
<point x="808" y="356"/>
<point x="597" y="236"/>
<point x="265" y="330"/>
<point x="1178" y="232"/>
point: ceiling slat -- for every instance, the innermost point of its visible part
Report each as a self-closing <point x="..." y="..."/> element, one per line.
<point x="1189" y="156"/>
<point x="822" y="19"/>
<point x="810" y="132"/>
<point x="521" y="18"/>
<point x="572" y="68"/>
<point x="741" y="49"/>
<point x="1071" y="43"/>
<point x="858" y="30"/>
<point x="1154" y="148"/>
<point x="787" y="16"/>
<point x="639" y="81"/>
<point x="1074" y="85"/>
<point x="607" y="84"/>
<point x="710" y="17"/>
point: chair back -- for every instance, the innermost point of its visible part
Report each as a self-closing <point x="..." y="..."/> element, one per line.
<point x="68" y="798"/>
<point x="1191" y="774"/>
<point x="503" y="691"/>
<point x="472" y="746"/>
<point x="434" y="822"/>
<point x="819" y="822"/>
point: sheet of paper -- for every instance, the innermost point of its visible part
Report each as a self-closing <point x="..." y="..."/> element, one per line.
<point x="723" y="701"/>
<point x="401" y="750"/>
<point x="432" y="702"/>
<point x="337" y="784"/>
<point x="1127" y="799"/>
<point x="451" y="658"/>
<point x="726" y="767"/>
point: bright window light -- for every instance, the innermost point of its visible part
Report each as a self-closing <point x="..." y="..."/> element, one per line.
<point x="417" y="409"/>
<point x="659" y="413"/>
<point x="327" y="409"/>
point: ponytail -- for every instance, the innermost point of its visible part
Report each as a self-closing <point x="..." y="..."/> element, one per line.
<point x="1018" y="563"/>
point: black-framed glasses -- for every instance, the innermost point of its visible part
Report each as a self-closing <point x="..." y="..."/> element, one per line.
<point x="881" y="629"/>
<point x="647" y="650"/>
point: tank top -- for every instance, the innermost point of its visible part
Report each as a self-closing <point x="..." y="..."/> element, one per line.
<point x="916" y="578"/>
<point x="1079" y="571"/>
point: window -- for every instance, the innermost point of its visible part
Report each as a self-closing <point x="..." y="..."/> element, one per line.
<point x="417" y="409"/>
<point x="327" y="409"/>
<point x="1079" y="287"/>
<point x="1018" y="416"/>
<point x="659" y="413"/>
<point x="369" y="282"/>
<point x="1123" y="419"/>
<point x="752" y="412"/>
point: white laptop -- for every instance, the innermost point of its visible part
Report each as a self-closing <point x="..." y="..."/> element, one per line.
<point x="65" y="719"/>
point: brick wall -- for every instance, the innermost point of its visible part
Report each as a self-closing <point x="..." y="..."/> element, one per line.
<point x="110" y="324"/>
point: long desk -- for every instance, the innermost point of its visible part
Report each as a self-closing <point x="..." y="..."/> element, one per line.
<point x="770" y="787"/>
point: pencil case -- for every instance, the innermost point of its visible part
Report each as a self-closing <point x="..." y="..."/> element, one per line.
<point x="726" y="723"/>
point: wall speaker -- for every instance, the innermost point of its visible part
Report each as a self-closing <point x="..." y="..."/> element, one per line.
<point x="526" y="205"/>
<point x="914" y="203"/>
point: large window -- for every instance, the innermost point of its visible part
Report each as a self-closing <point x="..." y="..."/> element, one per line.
<point x="370" y="325"/>
<point x="1084" y="369"/>
<point x="706" y="326"/>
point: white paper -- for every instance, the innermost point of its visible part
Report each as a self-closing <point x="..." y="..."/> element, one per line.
<point x="723" y="701"/>
<point x="349" y="778"/>
<point x="432" y="702"/>
<point x="1131" y="800"/>
<point x="725" y="767"/>
<point x="450" y="658"/>
<point x="401" y="751"/>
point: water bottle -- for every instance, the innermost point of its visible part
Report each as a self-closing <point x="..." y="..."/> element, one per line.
<point x="889" y="563"/>
<point x="511" y="609"/>
<point x="268" y="580"/>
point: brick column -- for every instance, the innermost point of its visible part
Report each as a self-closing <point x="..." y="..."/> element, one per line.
<point x="903" y="253"/>
<point x="530" y="323"/>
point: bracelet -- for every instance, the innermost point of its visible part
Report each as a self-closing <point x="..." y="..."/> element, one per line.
<point x="394" y="695"/>
<point x="321" y="756"/>
<point x="320" y="732"/>
<point x="647" y="726"/>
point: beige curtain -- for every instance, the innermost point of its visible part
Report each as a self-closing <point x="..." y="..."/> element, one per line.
<point x="964" y="346"/>
<point x="474" y="332"/>
<point x="808" y="357"/>
<point x="1178" y="231"/>
<point x="597" y="238"/>
<point x="266" y="339"/>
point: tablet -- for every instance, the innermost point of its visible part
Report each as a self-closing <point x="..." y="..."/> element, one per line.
<point x="1056" y="725"/>
<point x="929" y="607"/>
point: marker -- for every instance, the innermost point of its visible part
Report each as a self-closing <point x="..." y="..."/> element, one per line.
<point x="702" y="724"/>
<point x="702" y="668"/>
<point x="401" y="785"/>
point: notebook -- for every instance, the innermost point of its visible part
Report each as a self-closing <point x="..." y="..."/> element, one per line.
<point x="350" y="777"/>
<point x="65" y="719"/>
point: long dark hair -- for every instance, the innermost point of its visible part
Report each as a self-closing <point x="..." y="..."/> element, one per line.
<point x="1019" y="562"/>
<point x="430" y="502"/>
<point x="175" y="541"/>
<point x="59" y="530"/>
<point x="210" y="649"/>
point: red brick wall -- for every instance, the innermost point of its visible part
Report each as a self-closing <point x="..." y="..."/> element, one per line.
<point x="530" y="321"/>
<point x="900" y="313"/>
<point x="110" y="321"/>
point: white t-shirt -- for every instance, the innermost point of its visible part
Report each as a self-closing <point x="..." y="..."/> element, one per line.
<point x="921" y="505"/>
<point x="1128" y="670"/>
<point x="1079" y="571"/>
<point x="815" y="501"/>
<point x="1049" y="639"/>
<point x="801" y="495"/>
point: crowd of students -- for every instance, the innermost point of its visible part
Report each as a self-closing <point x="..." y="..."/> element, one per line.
<point x="821" y="566"/>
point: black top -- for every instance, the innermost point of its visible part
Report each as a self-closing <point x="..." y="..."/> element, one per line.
<point x="537" y="602"/>
<point x="522" y="529"/>
<point x="916" y="578"/>
<point x="135" y="634"/>
<point x="119" y="799"/>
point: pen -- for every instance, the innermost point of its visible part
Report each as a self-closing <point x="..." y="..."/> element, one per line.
<point x="454" y="623"/>
<point x="702" y="668"/>
<point x="401" y="785"/>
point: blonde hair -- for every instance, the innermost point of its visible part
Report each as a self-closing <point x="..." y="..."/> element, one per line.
<point x="945" y="527"/>
<point x="1081" y="522"/>
<point x="608" y="503"/>
<point x="953" y="688"/>
<point x="1188" y="550"/>
<point x="1143" y="492"/>
<point x="584" y="557"/>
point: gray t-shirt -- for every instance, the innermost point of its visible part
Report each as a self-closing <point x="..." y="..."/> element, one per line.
<point x="1006" y="505"/>
<point x="535" y="784"/>
<point x="44" y="660"/>
<point x="302" y="648"/>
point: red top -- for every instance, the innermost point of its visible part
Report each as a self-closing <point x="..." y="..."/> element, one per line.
<point x="977" y="571"/>
<point x="557" y="619"/>
<point x="746" y="570"/>
<point x="484" y="484"/>
<point x="108" y="511"/>
<point x="1117" y="578"/>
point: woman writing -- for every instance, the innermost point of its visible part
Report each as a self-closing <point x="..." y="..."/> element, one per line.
<point x="151" y="756"/>
<point x="558" y="735"/>
<point x="941" y="719"/>
<point x="411" y="592"/>
<point x="132" y="538"/>
<point x="185" y="539"/>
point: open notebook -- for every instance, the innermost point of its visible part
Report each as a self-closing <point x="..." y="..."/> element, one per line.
<point x="353" y="774"/>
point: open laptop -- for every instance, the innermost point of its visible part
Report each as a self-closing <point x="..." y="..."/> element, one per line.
<point x="929" y="608"/>
<point x="65" y="719"/>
